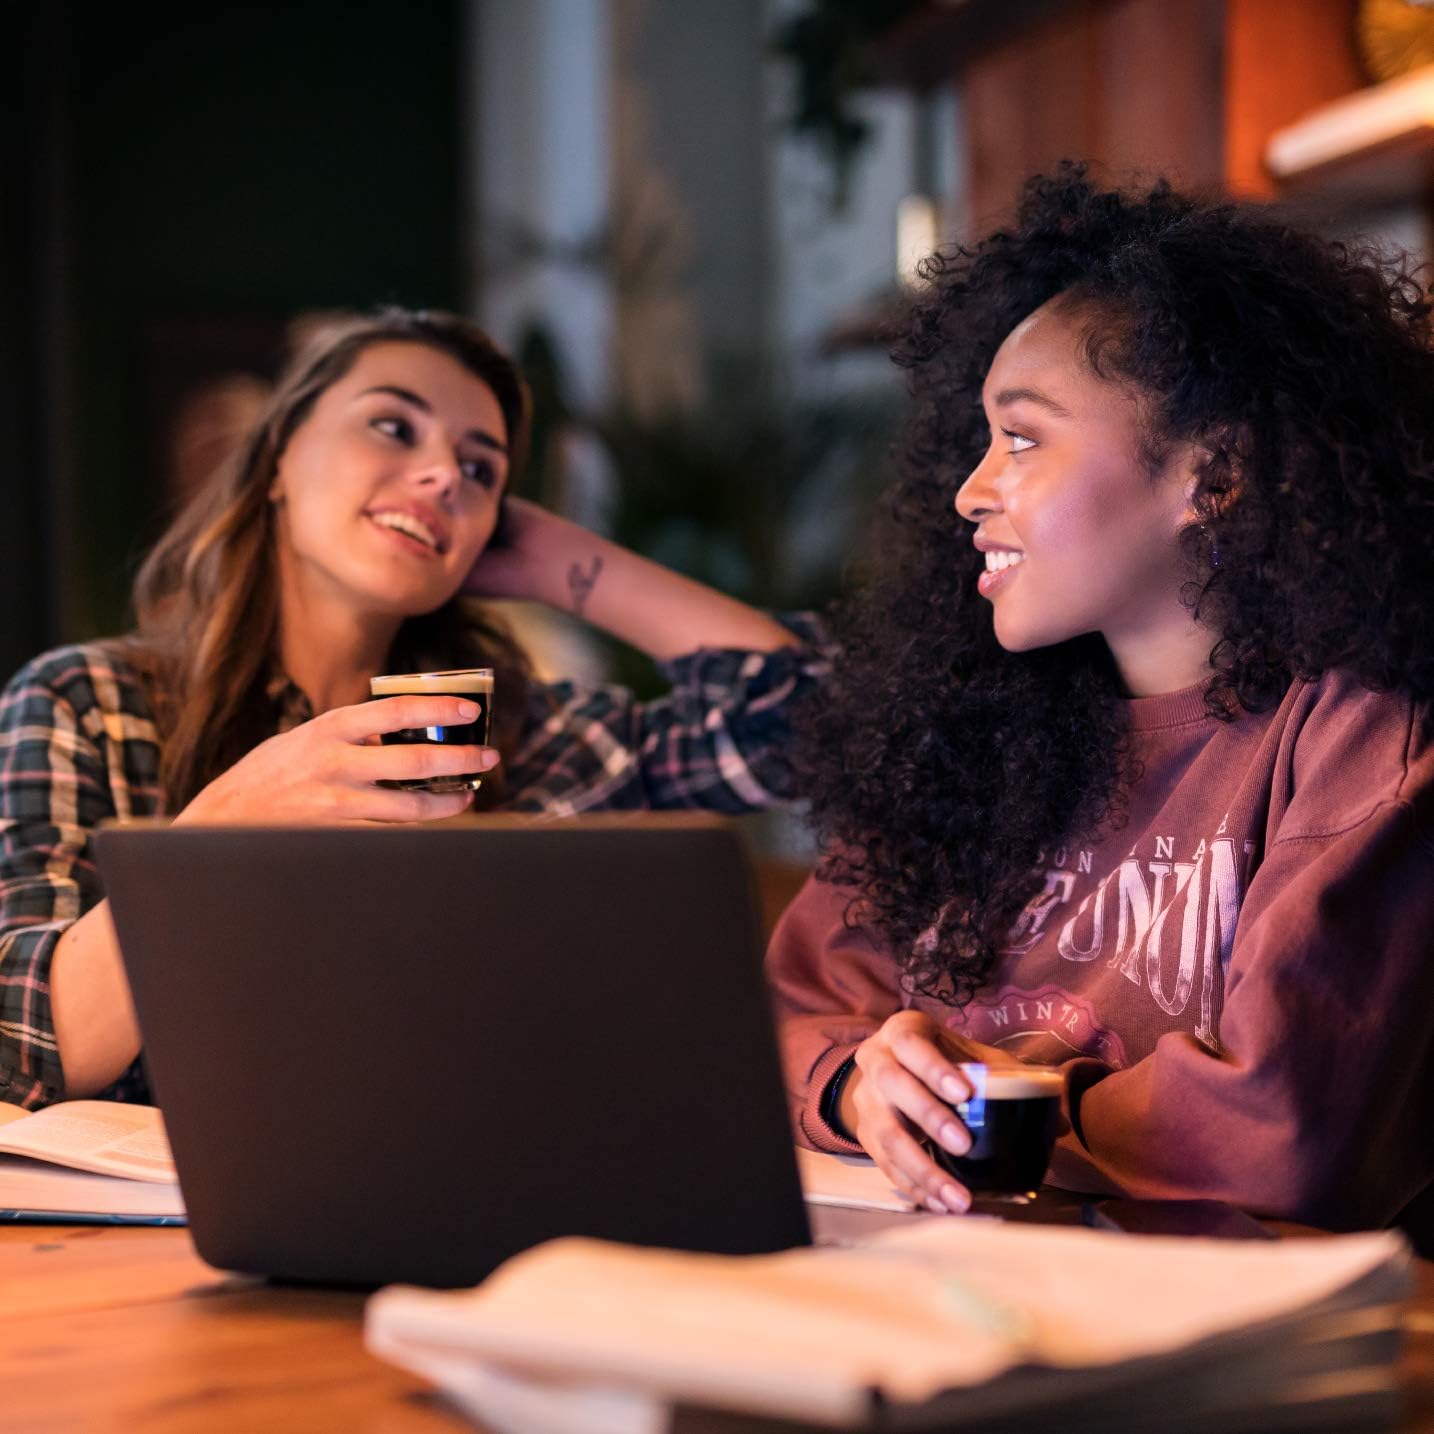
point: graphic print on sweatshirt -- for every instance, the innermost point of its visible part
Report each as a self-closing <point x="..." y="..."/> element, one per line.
<point x="1149" y="940"/>
<point x="1015" y="1018"/>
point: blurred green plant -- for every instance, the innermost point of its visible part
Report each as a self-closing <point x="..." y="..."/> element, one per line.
<point x="757" y="490"/>
<point x="760" y="490"/>
<point x="828" y="45"/>
<point x="542" y="366"/>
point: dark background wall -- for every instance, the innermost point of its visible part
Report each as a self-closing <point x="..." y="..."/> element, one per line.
<point x="177" y="185"/>
<point x="28" y="591"/>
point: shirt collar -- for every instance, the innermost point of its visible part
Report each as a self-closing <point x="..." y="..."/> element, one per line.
<point x="290" y="703"/>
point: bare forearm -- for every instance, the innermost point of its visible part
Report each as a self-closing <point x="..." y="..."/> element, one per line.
<point x="642" y="603"/>
<point x="95" y="1025"/>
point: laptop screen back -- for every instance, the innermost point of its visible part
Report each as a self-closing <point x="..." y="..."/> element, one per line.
<point x="408" y="1053"/>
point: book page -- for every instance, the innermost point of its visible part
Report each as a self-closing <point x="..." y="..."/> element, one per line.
<point x="44" y="1189"/>
<point x="106" y="1137"/>
<point x="11" y="1112"/>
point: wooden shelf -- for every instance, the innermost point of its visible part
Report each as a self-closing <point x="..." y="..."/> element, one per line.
<point x="1374" y="146"/>
<point x="1192" y="90"/>
<point x="926" y="48"/>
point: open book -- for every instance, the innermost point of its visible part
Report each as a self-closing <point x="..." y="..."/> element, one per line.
<point x="941" y="1324"/>
<point x="92" y="1159"/>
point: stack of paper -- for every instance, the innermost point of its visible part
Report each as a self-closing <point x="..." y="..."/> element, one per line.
<point x="950" y="1324"/>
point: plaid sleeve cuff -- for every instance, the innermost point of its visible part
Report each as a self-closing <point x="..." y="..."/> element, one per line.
<point x="721" y="737"/>
<point x="30" y="1071"/>
<point x="718" y="740"/>
<point x="810" y="653"/>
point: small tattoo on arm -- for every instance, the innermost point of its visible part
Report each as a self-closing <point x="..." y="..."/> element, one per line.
<point x="581" y="584"/>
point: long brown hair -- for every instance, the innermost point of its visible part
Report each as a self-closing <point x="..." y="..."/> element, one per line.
<point x="207" y="596"/>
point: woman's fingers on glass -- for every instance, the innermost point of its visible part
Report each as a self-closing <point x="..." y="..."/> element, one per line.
<point x="913" y="1098"/>
<point x="918" y="1052"/>
<point x="890" y="1104"/>
<point x="913" y="1172"/>
<point x="428" y="806"/>
<point x="420" y="761"/>
<point x="395" y="714"/>
<point x="380" y="804"/>
<point x="912" y="1193"/>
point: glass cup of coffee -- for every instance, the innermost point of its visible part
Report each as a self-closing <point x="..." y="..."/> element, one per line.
<point x="473" y="684"/>
<point x="1013" y="1115"/>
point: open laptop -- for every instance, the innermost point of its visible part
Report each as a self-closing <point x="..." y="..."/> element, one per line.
<point x="409" y="1053"/>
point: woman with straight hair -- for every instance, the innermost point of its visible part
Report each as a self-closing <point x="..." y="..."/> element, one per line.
<point x="1126" y="764"/>
<point x="342" y="540"/>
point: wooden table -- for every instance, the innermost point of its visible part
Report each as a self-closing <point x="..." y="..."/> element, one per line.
<point x="104" y="1329"/>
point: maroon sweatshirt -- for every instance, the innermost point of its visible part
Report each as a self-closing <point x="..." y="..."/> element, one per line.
<point x="1239" y="982"/>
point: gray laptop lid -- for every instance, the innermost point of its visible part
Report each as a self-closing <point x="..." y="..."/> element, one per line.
<point x="408" y="1053"/>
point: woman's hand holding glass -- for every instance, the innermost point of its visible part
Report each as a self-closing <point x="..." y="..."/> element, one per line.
<point x="906" y="1080"/>
<point x="327" y="769"/>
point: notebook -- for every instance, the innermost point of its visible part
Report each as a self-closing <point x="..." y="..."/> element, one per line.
<point x="408" y="1053"/>
<point x="87" y="1161"/>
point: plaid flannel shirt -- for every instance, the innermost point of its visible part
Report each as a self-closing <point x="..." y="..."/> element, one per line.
<point x="78" y="745"/>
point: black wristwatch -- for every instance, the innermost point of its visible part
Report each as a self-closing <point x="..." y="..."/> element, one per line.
<point x="831" y="1099"/>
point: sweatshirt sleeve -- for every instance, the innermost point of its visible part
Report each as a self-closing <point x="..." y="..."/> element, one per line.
<point x="1319" y="1103"/>
<point x="833" y="986"/>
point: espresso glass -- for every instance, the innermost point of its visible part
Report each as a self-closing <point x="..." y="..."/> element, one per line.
<point x="1013" y="1115"/>
<point x="473" y="684"/>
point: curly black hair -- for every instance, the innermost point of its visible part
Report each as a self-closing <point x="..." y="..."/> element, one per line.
<point x="941" y="767"/>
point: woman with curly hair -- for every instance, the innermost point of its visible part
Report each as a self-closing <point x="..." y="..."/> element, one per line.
<point x="371" y="496"/>
<point x="1127" y="761"/>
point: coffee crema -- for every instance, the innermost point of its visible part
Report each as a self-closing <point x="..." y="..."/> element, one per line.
<point x="473" y="684"/>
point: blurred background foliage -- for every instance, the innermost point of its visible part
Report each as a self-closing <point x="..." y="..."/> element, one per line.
<point x="828" y="44"/>
<point x="757" y="489"/>
<point x="623" y="192"/>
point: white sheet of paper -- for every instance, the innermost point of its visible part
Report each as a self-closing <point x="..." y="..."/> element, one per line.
<point x="850" y="1181"/>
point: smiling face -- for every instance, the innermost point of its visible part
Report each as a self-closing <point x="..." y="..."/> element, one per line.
<point x="389" y="489"/>
<point x="1079" y="537"/>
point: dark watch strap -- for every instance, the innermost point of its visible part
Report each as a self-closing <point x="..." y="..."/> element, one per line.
<point x="831" y="1099"/>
